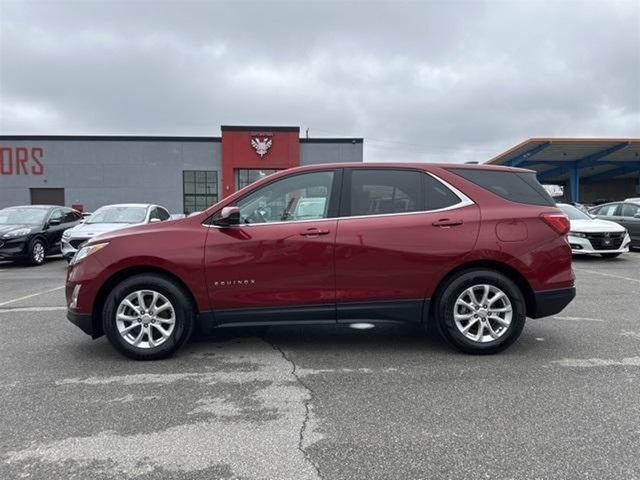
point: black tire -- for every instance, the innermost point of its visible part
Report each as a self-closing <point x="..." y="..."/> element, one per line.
<point x="36" y="258"/>
<point x="182" y="305"/>
<point x="445" y="303"/>
<point x="610" y="255"/>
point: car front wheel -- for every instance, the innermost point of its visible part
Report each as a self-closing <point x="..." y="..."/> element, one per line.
<point x="148" y="317"/>
<point x="481" y="312"/>
<point x="37" y="252"/>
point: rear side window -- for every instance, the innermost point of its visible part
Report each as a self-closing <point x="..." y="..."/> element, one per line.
<point x="514" y="186"/>
<point x="630" y="210"/>
<point x="376" y="192"/>
<point x="438" y="195"/>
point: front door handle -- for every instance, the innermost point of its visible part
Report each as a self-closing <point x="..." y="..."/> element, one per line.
<point x="447" y="222"/>
<point x="314" y="232"/>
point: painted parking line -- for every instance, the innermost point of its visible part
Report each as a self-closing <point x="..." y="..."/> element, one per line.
<point x="608" y="275"/>
<point x="580" y="319"/>
<point x="30" y="296"/>
<point x="31" y="309"/>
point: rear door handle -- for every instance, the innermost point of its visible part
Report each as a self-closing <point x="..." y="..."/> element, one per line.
<point x="447" y="222"/>
<point x="314" y="232"/>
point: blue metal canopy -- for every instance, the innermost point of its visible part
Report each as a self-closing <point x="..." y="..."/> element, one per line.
<point x="575" y="160"/>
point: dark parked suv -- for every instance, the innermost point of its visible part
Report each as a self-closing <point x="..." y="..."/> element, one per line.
<point x="29" y="233"/>
<point x="469" y="250"/>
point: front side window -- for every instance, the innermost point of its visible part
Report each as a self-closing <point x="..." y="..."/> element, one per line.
<point x="384" y="191"/>
<point x="56" y="216"/>
<point x="163" y="214"/>
<point x="608" y="210"/>
<point x="200" y="189"/>
<point x="298" y="197"/>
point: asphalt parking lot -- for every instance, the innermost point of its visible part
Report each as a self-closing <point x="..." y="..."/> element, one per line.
<point x="308" y="403"/>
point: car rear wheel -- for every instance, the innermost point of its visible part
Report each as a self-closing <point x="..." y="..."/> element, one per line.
<point x="481" y="312"/>
<point x="148" y="317"/>
<point x="37" y="252"/>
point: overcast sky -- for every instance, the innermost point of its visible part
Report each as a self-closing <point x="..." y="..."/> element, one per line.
<point x="443" y="81"/>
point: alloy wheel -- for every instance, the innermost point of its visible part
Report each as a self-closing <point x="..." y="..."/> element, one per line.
<point x="38" y="252"/>
<point x="483" y="313"/>
<point x="145" y="319"/>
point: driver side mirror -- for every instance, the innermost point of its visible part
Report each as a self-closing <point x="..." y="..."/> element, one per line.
<point x="229" y="216"/>
<point x="54" y="221"/>
<point x="155" y="220"/>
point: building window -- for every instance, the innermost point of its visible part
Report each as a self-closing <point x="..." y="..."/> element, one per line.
<point x="200" y="188"/>
<point x="246" y="176"/>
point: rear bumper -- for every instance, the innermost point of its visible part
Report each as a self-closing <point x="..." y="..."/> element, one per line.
<point x="83" y="321"/>
<point x="550" y="302"/>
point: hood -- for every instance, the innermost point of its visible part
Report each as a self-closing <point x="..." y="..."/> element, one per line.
<point x="595" y="225"/>
<point x="143" y="228"/>
<point x="90" y="230"/>
<point x="10" y="228"/>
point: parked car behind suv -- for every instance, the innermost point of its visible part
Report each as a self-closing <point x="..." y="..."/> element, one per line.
<point x="110" y="218"/>
<point x="625" y="213"/>
<point x="31" y="232"/>
<point x="469" y="250"/>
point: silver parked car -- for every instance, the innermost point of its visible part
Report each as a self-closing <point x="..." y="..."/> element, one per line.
<point x="110" y="218"/>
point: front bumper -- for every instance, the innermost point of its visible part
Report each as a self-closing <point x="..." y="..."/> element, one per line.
<point x="550" y="302"/>
<point x="582" y="246"/>
<point x="68" y="250"/>
<point x="84" y="321"/>
<point x="14" y="249"/>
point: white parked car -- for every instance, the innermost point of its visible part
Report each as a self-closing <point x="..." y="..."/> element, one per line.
<point x="110" y="218"/>
<point x="590" y="235"/>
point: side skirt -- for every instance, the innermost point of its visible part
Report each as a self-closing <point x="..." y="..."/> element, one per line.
<point x="397" y="311"/>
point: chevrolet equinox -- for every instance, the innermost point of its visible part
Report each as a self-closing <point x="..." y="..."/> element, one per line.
<point x="469" y="250"/>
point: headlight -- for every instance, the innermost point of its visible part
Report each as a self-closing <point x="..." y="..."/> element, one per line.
<point x="578" y="234"/>
<point x="87" y="250"/>
<point x="17" y="233"/>
<point x="66" y="234"/>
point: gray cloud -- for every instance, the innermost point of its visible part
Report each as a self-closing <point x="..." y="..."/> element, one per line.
<point x="445" y="81"/>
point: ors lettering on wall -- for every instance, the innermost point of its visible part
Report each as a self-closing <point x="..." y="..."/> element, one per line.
<point x="21" y="160"/>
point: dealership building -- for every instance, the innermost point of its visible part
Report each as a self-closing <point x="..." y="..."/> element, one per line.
<point x="187" y="174"/>
<point x="184" y="174"/>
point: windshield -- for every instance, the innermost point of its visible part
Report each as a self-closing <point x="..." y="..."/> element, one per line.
<point x="573" y="213"/>
<point x="118" y="214"/>
<point x="23" y="216"/>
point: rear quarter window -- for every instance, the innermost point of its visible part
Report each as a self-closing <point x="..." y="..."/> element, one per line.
<point x="514" y="186"/>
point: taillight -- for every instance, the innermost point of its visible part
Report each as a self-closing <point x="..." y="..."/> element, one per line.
<point x="558" y="221"/>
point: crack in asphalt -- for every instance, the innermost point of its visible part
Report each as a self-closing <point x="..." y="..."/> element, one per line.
<point x="306" y="405"/>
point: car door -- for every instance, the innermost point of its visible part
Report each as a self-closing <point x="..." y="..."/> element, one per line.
<point x="278" y="264"/>
<point x="630" y="219"/>
<point x="54" y="228"/>
<point x="399" y="232"/>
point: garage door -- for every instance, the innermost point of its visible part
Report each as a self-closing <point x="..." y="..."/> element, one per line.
<point x="47" y="196"/>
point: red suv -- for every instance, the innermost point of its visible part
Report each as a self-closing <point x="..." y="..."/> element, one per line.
<point x="470" y="250"/>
